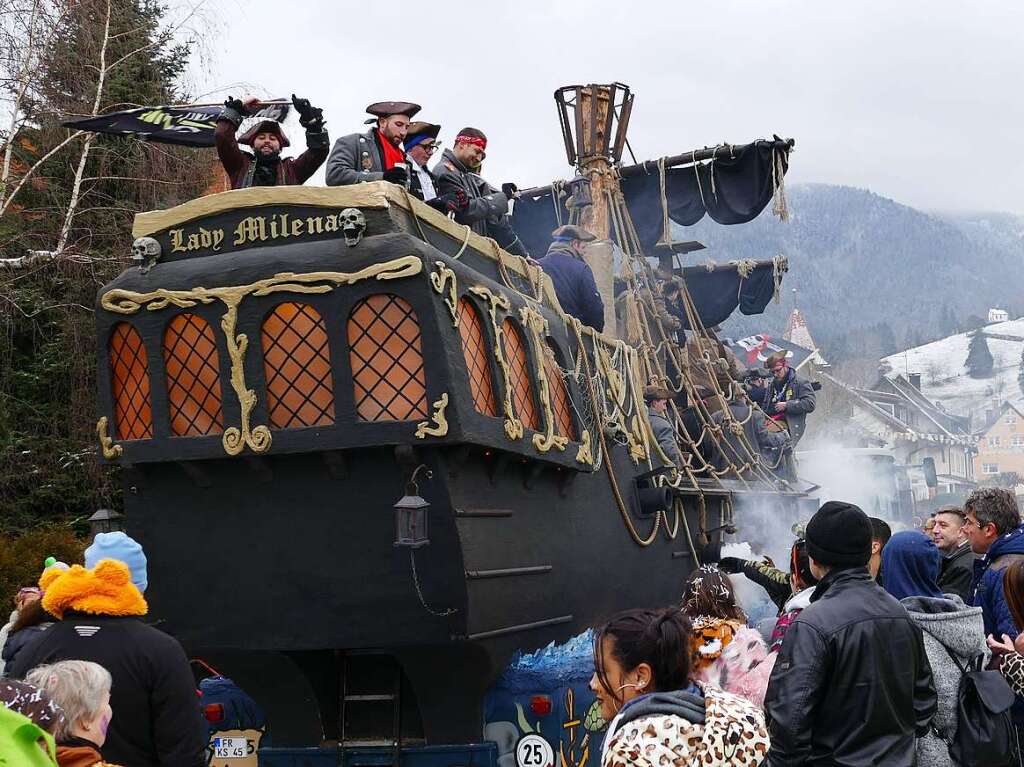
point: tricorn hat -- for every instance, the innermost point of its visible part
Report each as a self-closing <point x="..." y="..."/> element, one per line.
<point x="420" y="132"/>
<point x="776" y="357"/>
<point x="571" y="232"/>
<point x="264" y="126"/>
<point x="388" y="108"/>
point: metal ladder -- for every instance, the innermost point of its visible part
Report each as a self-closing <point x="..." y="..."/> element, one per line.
<point x="371" y="694"/>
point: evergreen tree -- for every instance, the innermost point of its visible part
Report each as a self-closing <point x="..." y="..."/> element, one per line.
<point x="979" y="362"/>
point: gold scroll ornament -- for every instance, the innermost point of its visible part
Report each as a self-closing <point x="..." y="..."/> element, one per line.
<point x="534" y="322"/>
<point x="513" y="426"/>
<point x="236" y="438"/>
<point x="444" y="280"/>
<point x="440" y="427"/>
<point x="110" y="450"/>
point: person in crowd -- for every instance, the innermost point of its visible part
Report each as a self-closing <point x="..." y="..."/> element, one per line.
<point x="992" y="524"/>
<point x="32" y="621"/>
<point x="956" y="575"/>
<point x="657" y="715"/>
<point x="657" y="398"/>
<point x="25" y="595"/>
<point x="880" y="535"/>
<point x="790" y="398"/>
<point x="851" y="683"/>
<point x="157" y="721"/>
<point x="377" y="154"/>
<point x="265" y="166"/>
<point x="572" y="276"/>
<point x="929" y="525"/>
<point x="486" y="210"/>
<point x="911" y="563"/>
<point x="802" y="582"/>
<point x="1009" y="648"/>
<point x="29" y="720"/>
<point x="82" y="690"/>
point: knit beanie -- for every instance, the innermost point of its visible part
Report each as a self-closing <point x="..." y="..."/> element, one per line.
<point x="839" y="535"/>
<point x="121" y="547"/>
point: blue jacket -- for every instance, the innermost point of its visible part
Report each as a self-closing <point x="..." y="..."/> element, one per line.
<point x="574" y="285"/>
<point x="988" y="582"/>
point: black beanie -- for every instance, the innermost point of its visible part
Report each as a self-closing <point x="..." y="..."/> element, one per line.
<point x="839" y="535"/>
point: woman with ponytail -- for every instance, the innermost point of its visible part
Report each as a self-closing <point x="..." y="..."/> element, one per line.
<point x="657" y="715"/>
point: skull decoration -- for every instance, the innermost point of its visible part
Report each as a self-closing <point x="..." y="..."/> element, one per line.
<point x="145" y="253"/>
<point x="353" y="224"/>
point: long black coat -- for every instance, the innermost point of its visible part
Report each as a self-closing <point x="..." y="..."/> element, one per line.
<point x="852" y="685"/>
<point x="574" y="285"/>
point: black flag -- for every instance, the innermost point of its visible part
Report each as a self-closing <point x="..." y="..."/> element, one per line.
<point x="186" y="125"/>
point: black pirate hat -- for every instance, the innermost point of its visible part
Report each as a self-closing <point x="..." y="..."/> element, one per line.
<point x="264" y="126"/>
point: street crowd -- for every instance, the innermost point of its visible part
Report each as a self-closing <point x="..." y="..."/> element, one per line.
<point x="888" y="649"/>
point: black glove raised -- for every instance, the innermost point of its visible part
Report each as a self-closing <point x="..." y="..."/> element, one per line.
<point x="239" y="106"/>
<point x="509" y="189"/>
<point x="732" y="565"/>
<point x="310" y="117"/>
<point x="396" y="176"/>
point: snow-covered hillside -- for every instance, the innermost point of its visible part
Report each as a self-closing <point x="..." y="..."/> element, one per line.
<point x="944" y="378"/>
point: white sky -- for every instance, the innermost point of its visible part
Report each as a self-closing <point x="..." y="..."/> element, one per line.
<point x="918" y="101"/>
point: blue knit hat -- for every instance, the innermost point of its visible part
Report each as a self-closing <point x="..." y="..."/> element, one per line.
<point x="121" y="547"/>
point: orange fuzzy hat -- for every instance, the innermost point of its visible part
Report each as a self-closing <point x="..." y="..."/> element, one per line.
<point x="106" y="589"/>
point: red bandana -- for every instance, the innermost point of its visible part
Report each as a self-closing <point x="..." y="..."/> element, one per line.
<point x="392" y="154"/>
<point x="464" y="139"/>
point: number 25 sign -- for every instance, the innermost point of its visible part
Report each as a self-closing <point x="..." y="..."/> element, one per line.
<point x="533" y="751"/>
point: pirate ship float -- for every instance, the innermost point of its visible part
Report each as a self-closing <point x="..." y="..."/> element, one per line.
<point x="307" y="386"/>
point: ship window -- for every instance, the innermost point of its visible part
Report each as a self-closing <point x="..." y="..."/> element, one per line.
<point x="193" y="377"/>
<point x="561" y="405"/>
<point x="474" y="349"/>
<point x="297" y="367"/>
<point x="519" y="376"/>
<point x="387" y="360"/>
<point x="129" y="374"/>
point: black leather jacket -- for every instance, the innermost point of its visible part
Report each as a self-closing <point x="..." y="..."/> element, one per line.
<point x="852" y="685"/>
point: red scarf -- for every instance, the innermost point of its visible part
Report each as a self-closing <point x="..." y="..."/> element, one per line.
<point x="392" y="154"/>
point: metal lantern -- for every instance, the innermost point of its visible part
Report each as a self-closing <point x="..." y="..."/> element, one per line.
<point x="594" y="119"/>
<point x="105" y="521"/>
<point x="411" y="516"/>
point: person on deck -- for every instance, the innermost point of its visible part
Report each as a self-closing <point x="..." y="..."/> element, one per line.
<point x="957" y="573"/>
<point x="745" y="434"/>
<point x="266" y="167"/>
<point x="420" y="144"/>
<point x="572" y="277"/>
<point x="486" y="211"/>
<point x="657" y="412"/>
<point x="377" y="154"/>
<point x="790" y="398"/>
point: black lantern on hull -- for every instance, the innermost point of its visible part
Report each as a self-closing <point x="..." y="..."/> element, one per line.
<point x="411" y="515"/>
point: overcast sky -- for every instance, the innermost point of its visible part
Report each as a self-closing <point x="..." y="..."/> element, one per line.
<point x="918" y="101"/>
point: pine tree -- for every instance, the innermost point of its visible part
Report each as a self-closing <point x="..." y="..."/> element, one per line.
<point x="979" y="362"/>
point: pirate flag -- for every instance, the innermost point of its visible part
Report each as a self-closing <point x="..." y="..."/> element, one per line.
<point x="188" y="125"/>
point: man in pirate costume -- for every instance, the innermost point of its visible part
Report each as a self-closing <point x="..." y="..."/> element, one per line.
<point x="265" y="167"/>
<point x="790" y="398"/>
<point x="377" y="154"/>
<point x="487" y="209"/>
<point x="420" y="144"/>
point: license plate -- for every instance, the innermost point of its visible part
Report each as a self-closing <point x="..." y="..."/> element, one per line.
<point x="230" y="748"/>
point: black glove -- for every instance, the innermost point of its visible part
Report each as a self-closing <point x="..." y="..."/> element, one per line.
<point x="310" y="117"/>
<point x="509" y="189"/>
<point x="440" y="205"/>
<point x="459" y="198"/>
<point x="238" y="106"/>
<point x="732" y="565"/>
<point x="396" y="176"/>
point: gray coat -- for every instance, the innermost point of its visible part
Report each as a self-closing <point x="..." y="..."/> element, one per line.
<point x="346" y="165"/>
<point x="800" y="400"/>
<point x="945" y="622"/>
<point x="665" y="435"/>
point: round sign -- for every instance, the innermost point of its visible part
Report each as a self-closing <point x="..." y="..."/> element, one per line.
<point x="533" y="751"/>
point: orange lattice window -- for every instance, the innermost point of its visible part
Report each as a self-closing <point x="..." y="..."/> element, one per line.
<point x="474" y="349"/>
<point x="193" y="377"/>
<point x="519" y="376"/>
<point x="297" y="366"/>
<point x="387" y="360"/>
<point x="561" y="405"/>
<point x="129" y="379"/>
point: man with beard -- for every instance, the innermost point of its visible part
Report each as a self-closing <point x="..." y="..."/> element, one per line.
<point x="486" y="211"/>
<point x="377" y="154"/>
<point x="790" y="398"/>
<point x="266" y="167"/>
